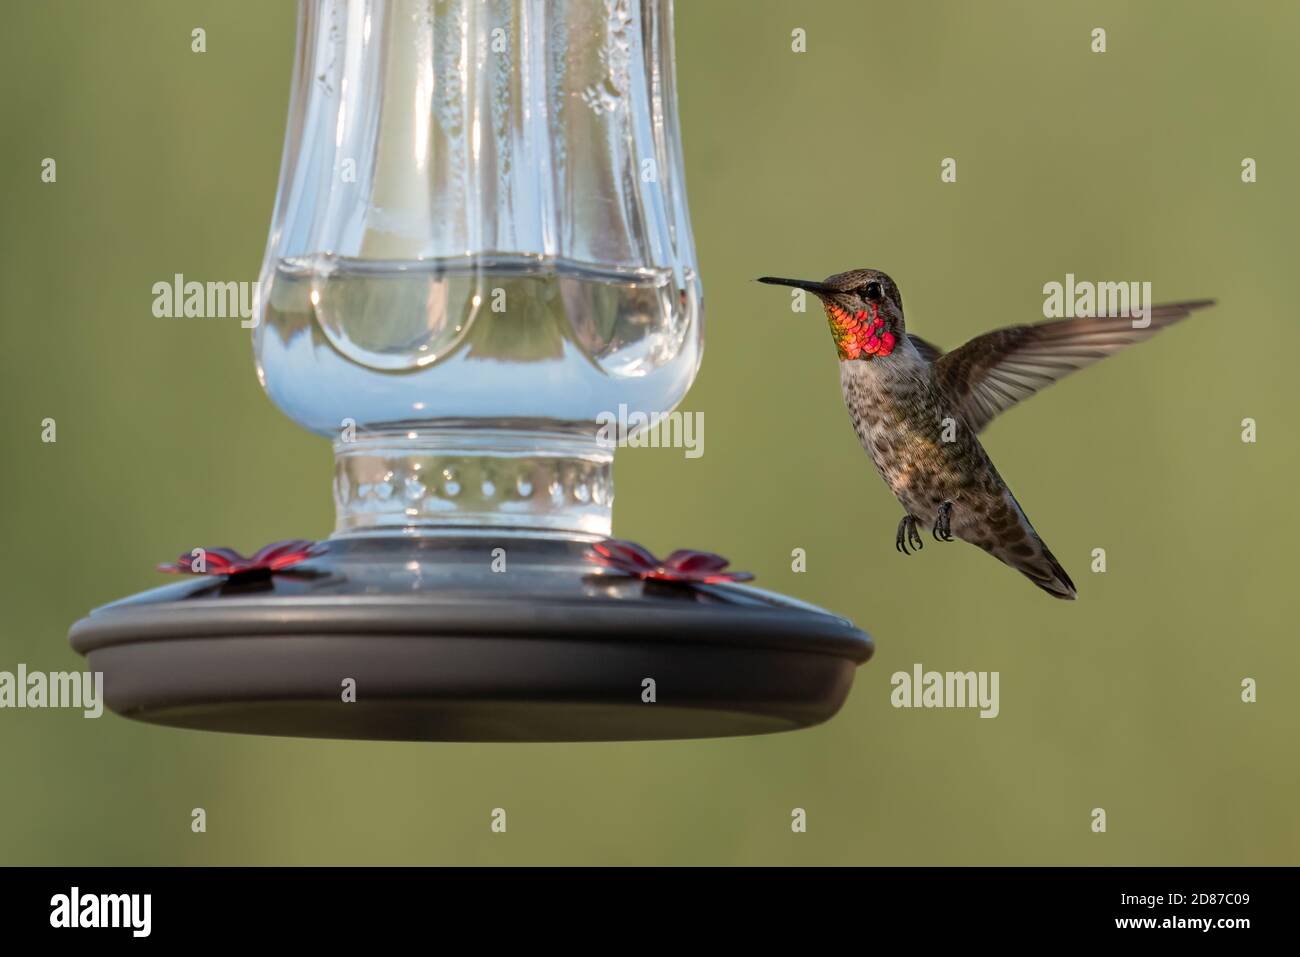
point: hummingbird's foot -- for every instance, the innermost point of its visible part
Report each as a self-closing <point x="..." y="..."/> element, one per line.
<point x="908" y="535"/>
<point x="942" y="523"/>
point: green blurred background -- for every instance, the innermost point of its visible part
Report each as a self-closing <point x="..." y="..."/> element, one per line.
<point x="1117" y="166"/>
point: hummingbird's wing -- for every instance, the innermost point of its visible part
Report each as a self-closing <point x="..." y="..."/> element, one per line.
<point x="993" y="372"/>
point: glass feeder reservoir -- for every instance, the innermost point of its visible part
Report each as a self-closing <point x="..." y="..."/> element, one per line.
<point x="480" y="244"/>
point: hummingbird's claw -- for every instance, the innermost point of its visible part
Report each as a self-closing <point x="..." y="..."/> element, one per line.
<point x="942" y="523"/>
<point x="908" y="535"/>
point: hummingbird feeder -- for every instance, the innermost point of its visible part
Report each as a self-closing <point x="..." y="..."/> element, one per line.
<point x="480" y="244"/>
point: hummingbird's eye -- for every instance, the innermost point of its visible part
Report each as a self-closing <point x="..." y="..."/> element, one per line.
<point x="872" y="291"/>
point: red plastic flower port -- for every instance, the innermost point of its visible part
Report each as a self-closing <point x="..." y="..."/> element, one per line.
<point x="268" y="560"/>
<point x="683" y="566"/>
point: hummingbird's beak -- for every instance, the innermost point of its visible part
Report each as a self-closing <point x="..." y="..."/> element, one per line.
<point x="816" y="288"/>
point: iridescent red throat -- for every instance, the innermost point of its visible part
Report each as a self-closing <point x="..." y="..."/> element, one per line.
<point x="859" y="335"/>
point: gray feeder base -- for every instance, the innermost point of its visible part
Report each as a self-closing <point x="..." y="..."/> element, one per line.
<point x="555" y="651"/>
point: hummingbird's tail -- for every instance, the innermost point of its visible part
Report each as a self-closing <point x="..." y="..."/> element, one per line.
<point x="1017" y="544"/>
<point x="1048" y="575"/>
<point x="1036" y="562"/>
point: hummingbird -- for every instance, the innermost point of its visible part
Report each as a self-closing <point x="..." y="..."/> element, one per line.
<point x="918" y="410"/>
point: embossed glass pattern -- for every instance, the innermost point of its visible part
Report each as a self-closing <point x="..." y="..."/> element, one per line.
<point x="480" y="243"/>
